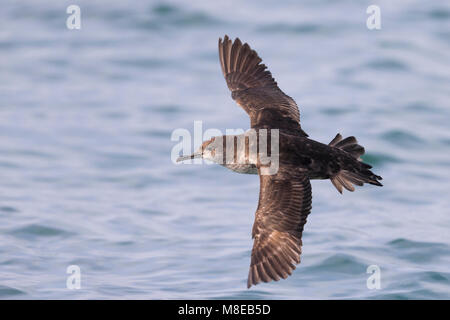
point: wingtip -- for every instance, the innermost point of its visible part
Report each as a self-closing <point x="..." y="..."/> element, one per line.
<point x="249" y="281"/>
<point x="226" y="38"/>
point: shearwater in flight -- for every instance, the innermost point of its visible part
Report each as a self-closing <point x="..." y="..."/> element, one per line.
<point x="284" y="196"/>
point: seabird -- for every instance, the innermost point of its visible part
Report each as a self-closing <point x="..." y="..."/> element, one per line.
<point x="284" y="197"/>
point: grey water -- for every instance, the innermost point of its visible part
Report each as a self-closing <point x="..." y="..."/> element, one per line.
<point x="86" y="177"/>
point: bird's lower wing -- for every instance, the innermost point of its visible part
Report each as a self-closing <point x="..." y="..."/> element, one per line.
<point x="284" y="204"/>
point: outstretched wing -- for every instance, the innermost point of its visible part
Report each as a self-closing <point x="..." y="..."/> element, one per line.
<point x="284" y="204"/>
<point x="254" y="89"/>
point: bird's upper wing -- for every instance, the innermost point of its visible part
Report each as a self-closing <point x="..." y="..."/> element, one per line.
<point x="254" y="89"/>
<point x="284" y="204"/>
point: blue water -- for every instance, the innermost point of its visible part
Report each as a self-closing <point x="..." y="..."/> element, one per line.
<point x="86" y="177"/>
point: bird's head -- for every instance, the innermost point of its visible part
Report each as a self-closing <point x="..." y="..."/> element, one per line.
<point x="211" y="149"/>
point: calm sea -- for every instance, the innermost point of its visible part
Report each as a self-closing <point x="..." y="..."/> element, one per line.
<point x="86" y="118"/>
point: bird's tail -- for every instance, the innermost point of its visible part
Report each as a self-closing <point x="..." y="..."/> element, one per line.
<point x="357" y="175"/>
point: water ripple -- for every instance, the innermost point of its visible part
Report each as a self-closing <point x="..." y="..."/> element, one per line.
<point x="86" y="176"/>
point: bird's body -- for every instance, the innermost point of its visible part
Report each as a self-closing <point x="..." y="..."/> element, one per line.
<point x="285" y="193"/>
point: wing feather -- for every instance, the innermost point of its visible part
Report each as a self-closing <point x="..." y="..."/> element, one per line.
<point x="254" y="88"/>
<point x="284" y="204"/>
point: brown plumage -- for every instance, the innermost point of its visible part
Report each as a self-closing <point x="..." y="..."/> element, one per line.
<point x="284" y="197"/>
<point x="278" y="227"/>
<point x="254" y="89"/>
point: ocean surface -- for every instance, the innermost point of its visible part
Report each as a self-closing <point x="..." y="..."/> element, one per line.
<point x="86" y="176"/>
